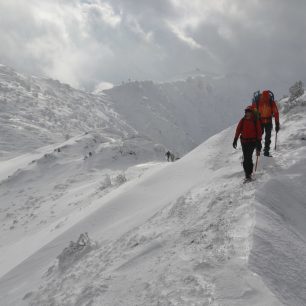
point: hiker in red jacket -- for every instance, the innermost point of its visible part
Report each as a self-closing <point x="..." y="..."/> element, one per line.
<point x="249" y="130"/>
<point x="267" y="108"/>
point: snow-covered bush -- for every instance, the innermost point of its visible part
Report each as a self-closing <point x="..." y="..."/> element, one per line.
<point x="120" y="179"/>
<point x="296" y="90"/>
<point x="125" y="151"/>
<point x="105" y="183"/>
<point x="75" y="251"/>
<point x="296" y="98"/>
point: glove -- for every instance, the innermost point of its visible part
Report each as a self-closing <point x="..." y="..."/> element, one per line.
<point x="277" y="127"/>
<point x="235" y="143"/>
<point x="258" y="146"/>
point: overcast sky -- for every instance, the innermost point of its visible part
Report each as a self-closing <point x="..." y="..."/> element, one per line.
<point x="86" y="42"/>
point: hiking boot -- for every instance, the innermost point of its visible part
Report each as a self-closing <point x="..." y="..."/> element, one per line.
<point x="267" y="154"/>
<point x="248" y="178"/>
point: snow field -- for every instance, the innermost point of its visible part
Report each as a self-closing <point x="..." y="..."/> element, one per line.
<point x="219" y="243"/>
<point x="279" y="246"/>
<point x="183" y="233"/>
<point x="47" y="191"/>
<point x="204" y="225"/>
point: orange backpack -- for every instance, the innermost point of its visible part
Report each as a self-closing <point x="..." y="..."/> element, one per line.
<point x="257" y="96"/>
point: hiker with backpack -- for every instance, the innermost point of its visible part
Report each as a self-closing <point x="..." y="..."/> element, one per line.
<point x="249" y="130"/>
<point x="266" y="106"/>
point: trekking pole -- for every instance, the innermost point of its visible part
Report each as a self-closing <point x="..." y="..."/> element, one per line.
<point x="257" y="157"/>
<point x="275" y="141"/>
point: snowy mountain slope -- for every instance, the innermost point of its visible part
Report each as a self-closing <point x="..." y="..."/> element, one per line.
<point x="46" y="188"/>
<point x="178" y="255"/>
<point x="180" y="114"/>
<point x="36" y="112"/>
<point x="188" y="233"/>
<point x="279" y="245"/>
<point x="59" y="191"/>
<point x="122" y="209"/>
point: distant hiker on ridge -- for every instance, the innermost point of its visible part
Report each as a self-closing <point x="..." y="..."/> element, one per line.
<point x="172" y="157"/>
<point x="168" y="154"/>
<point x="267" y="108"/>
<point x="249" y="130"/>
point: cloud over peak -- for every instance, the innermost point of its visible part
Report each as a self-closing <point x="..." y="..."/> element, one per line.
<point x="88" y="42"/>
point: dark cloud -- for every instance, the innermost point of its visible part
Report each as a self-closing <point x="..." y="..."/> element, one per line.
<point x="88" y="42"/>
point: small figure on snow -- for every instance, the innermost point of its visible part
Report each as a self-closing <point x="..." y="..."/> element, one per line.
<point x="267" y="108"/>
<point x="249" y="130"/>
<point x="168" y="154"/>
<point x="88" y="156"/>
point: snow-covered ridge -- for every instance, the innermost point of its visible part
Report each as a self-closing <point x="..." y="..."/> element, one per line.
<point x="186" y="233"/>
<point x="279" y="245"/>
<point x="180" y="114"/>
<point x="39" y="111"/>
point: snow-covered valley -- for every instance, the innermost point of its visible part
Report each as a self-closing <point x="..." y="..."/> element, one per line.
<point x="182" y="233"/>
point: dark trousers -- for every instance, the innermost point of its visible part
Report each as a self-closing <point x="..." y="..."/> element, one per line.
<point x="267" y="129"/>
<point x="248" y="149"/>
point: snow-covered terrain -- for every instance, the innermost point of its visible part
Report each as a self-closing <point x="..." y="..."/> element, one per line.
<point x="42" y="189"/>
<point x="180" y="114"/>
<point x="36" y="112"/>
<point x="183" y="233"/>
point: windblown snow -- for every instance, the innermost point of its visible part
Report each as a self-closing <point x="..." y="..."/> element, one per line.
<point x="102" y="219"/>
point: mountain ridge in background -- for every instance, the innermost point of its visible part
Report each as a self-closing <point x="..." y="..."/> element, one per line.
<point x="179" y="115"/>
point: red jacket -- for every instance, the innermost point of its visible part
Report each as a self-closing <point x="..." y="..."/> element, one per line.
<point x="249" y="130"/>
<point x="266" y="108"/>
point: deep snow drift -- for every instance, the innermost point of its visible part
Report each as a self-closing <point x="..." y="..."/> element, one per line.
<point x="184" y="233"/>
